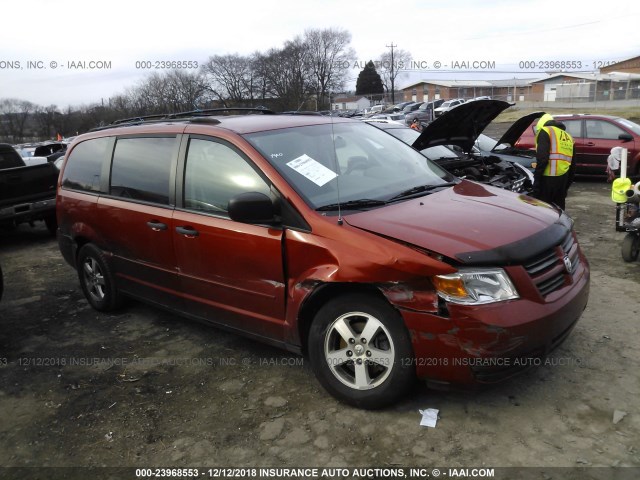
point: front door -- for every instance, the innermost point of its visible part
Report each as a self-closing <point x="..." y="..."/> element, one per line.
<point x="601" y="136"/>
<point x="231" y="273"/>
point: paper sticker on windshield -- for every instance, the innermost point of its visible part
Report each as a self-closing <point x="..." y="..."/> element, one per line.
<point x="312" y="169"/>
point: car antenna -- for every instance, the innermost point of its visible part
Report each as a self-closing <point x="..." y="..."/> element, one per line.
<point x="335" y="164"/>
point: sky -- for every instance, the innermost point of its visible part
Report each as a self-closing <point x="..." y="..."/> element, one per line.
<point x="47" y="48"/>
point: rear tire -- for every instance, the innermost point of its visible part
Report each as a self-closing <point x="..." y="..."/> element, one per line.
<point x="631" y="247"/>
<point x="97" y="279"/>
<point x="360" y="351"/>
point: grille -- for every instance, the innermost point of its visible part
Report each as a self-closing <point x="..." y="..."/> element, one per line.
<point x="548" y="270"/>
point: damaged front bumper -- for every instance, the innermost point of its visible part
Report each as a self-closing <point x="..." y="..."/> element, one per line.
<point x="489" y="343"/>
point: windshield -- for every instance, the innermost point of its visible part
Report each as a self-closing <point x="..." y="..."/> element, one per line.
<point x="485" y="143"/>
<point x="439" y="152"/>
<point x="409" y="136"/>
<point x="365" y="164"/>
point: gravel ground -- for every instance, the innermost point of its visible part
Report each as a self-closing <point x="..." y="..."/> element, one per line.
<point x="145" y="388"/>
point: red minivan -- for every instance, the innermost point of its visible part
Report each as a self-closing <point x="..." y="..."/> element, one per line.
<point x="324" y="236"/>
<point x="594" y="137"/>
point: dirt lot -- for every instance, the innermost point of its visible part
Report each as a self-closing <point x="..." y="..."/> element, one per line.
<point x="146" y="388"/>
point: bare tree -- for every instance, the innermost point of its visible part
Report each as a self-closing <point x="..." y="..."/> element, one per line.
<point x="185" y="90"/>
<point x="260" y="87"/>
<point x="389" y="68"/>
<point x="151" y="95"/>
<point x="15" y="113"/>
<point x="229" y="78"/>
<point x="329" y="52"/>
<point x="308" y="66"/>
<point x="46" y="120"/>
<point x="289" y="74"/>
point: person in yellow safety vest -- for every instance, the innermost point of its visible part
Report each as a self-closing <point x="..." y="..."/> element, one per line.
<point x="555" y="167"/>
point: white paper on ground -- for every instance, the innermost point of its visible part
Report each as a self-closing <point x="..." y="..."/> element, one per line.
<point x="429" y="417"/>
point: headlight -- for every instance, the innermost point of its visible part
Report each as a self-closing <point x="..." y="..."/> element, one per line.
<point x="475" y="287"/>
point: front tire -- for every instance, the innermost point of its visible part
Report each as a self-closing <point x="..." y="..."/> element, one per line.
<point x="361" y="351"/>
<point x="97" y="279"/>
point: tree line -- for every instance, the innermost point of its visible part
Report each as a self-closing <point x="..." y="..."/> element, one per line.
<point x="301" y="75"/>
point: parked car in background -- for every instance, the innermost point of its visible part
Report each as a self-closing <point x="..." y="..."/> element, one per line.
<point x="504" y="147"/>
<point x="324" y="236"/>
<point x="397" y="107"/>
<point x="411" y="107"/>
<point x="594" y="137"/>
<point x="487" y="169"/>
<point x="27" y="193"/>
<point x="392" y="117"/>
<point x="424" y="113"/>
<point x="447" y="105"/>
<point x="38" y="153"/>
<point x="51" y="150"/>
<point x="376" y="109"/>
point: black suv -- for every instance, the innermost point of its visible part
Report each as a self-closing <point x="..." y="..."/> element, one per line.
<point x="424" y="113"/>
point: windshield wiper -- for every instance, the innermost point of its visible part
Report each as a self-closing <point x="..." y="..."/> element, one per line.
<point x="353" y="204"/>
<point x="420" y="189"/>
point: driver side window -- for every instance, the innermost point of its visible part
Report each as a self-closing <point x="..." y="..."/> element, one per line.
<point x="601" y="129"/>
<point x="214" y="174"/>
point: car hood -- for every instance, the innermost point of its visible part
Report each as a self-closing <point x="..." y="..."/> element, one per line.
<point x="470" y="223"/>
<point x="516" y="130"/>
<point x="461" y="125"/>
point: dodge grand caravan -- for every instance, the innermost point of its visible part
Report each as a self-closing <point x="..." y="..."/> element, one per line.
<point x="327" y="237"/>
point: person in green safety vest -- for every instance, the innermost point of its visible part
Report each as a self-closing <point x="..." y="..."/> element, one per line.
<point x="555" y="167"/>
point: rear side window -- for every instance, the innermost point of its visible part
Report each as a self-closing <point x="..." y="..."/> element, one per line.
<point x="573" y="127"/>
<point x="9" y="158"/>
<point x="141" y="169"/>
<point x="84" y="165"/>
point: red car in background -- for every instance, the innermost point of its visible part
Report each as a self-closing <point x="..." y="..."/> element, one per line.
<point x="595" y="136"/>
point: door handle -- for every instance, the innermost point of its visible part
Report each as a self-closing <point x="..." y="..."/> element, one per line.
<point x="187" y="231"/>
<point x="156" y="226"/>
<point x="590" y="144"/>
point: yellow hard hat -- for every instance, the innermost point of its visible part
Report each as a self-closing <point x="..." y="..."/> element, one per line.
<point x="619" y="189"/>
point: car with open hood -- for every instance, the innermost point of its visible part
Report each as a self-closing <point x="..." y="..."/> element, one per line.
<point x="506" y="147"/>
<point x="324" y="236"/>
<point x="451" y="141"/>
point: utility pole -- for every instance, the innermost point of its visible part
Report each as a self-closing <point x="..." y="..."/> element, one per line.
<point x="393" y="88"/>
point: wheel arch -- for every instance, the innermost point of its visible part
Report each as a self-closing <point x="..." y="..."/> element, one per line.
<point x="321" y="295"/>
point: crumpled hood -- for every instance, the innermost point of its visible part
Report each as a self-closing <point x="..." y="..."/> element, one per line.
<point x="464" y="222"/>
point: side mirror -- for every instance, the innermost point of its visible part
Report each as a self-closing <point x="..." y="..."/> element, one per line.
<point x="251" y="207"/>
<point x="625" y="137"/>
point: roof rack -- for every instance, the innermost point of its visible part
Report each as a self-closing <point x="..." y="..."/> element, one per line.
<point x="193" y="115"/>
